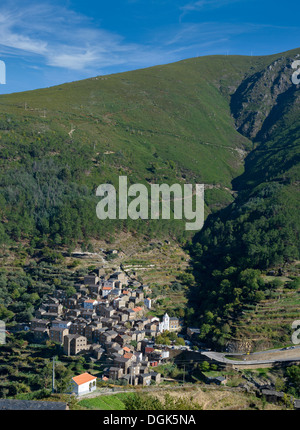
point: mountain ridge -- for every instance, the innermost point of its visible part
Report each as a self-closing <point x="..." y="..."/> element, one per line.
<point x="229" y="122"/>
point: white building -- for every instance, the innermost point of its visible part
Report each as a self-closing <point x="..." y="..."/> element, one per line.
<point x="110" y="283"/>
<point x="147" y="302"/>
<point x="89" y="304"/>
<point x="84" y="383"/>
<point x="165" y="324"/>
<point x="165" y="354"/>
<point x="61" y="324"/>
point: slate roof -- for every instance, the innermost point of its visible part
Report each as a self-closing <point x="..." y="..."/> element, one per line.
<point x="11" y="404"/>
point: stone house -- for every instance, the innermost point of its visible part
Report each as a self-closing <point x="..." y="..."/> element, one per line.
<point x="74" y="344"/>
<point x="123" y="339"/>
<point x="55" y="308"/>
<point x="174" y="324"/>
<point x="78" y="328"/>
<point x="156" y="377"/>
<point x="108" y="336"/>
<point x="94" y="289"/>
<point x="96" y="351"/>
<point x="59" y="323"/>
<point x="40" y="334"/>
<point x="74" y="313"/>
<point x="91" y="279"/>
<point x="116" y="373"/>
<point x="145" y="379"/>
<point x="57" y="334"/>
<point x="98" y="334"/>
<point x="140" y="295"/>
<point x="131" y="314"/>
<point x="138" y="335"/>
<point x="122" y="362"/>
<point x="39" y="322"/>
<point x="70" y="303"/>
<point x="49" y="315"/>
<point x="131" y="379"/>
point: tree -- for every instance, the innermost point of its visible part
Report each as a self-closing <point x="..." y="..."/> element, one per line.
<point x="293" y="375"/>
<point x="5" y="314"/>
<point x="204" y="366"/>
<point x="180" y="341"/>
<point x="62" y="378"/>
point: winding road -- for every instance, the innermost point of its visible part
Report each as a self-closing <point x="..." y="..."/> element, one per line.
<point x="256" y="358"/>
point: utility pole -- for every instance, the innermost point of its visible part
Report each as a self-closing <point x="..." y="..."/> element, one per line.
<point x="114" y="380"/>
<point x="183" y="373"/>
<point x="53" y="374"/>
<point x="131" y="374"/>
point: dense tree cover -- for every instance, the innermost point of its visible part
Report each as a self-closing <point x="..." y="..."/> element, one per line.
<point x="292" y="374"/>
<point x="48" y="188"/>
<point x="259" y="230"/>
<point x="18" y="297"/>
<point x="233" y="249"/>
<point x="23" y="291"/>
<point x="26" y="368"/>
<point x="166" y="338"/>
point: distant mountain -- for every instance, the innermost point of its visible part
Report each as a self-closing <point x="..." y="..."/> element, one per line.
<point x="190" y="122"/>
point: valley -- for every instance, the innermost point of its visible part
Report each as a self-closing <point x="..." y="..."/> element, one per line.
<point x="229" y="122"/>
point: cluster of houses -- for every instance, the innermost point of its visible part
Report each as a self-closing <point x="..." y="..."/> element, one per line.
<point x="105" y="318"/>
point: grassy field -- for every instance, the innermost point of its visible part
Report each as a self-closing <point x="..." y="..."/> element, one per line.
<point x="113" y="402"/>
<point x="208" y="398"/>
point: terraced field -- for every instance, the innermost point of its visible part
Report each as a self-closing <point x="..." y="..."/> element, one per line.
<point x="270" y="319"/>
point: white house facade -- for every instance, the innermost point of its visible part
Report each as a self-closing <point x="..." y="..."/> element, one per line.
<point x="165" y="324"/>
<point x="83" y="384"/>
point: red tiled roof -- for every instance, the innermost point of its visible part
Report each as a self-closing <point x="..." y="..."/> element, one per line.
<point x="83" y="378"/>
<point x="128" y="355"/>
<point x="137" y="309"/>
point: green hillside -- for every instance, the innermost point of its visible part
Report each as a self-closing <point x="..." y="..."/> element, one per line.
<point x="165" y="124"/>
<point x="230" y="122"/>
<point x="260" y="230"/>
<point x="168" y="124"/>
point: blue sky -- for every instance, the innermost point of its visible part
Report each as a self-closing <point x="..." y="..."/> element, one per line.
<point x="49" y="43"/>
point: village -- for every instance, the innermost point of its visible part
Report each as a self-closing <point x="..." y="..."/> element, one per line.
<point x="105" y="319"/>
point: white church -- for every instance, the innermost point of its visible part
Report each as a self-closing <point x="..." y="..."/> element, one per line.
<point x="165" y="324"/>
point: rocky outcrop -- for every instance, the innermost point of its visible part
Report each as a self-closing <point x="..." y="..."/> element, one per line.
<point x="262" y="98"/>
<point x="239" y="346"/>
